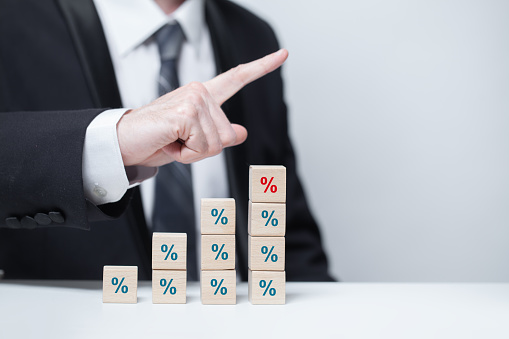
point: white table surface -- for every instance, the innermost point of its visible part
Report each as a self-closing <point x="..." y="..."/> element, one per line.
<point x="45" y="309"/>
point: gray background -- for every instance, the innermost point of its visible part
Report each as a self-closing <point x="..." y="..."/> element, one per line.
<point x="399" y="111"/>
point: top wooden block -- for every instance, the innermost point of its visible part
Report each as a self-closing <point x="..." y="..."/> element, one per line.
<point x="169" y="251"/>
<point x="218" y="216"/>
<point x="267" y="183"/>
<point x="120" y="284"/>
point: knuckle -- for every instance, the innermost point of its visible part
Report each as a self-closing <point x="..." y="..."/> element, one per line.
<point x="215" y="148"/>
<point x="237" y="69"/>
<point x="188" y="109"/>
<point x="197" y="87"/>
<point x="238" y="74"/>
<point x="194" y="96"/>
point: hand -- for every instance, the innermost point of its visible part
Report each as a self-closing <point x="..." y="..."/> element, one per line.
<point x="187" y="124"/>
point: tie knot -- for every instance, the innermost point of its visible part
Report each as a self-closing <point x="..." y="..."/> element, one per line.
<point x="169" y="39"/>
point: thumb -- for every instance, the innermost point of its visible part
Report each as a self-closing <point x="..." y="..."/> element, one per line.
<point x="241" y="132"/>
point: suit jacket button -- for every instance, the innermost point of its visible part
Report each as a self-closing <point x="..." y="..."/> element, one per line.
<point x="28" y="222"/>
<point x="12" y="222"/>
<point x="56" y="217"/>
<point x="42" y="219"/>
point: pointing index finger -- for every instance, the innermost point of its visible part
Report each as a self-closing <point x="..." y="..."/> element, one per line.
<point x="225" y="85"/>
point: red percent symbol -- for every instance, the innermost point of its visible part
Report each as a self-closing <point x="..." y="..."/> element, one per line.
<point x="273" y="188"/>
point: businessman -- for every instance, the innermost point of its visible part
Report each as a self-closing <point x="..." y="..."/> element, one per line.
<point x="73" y="158"/>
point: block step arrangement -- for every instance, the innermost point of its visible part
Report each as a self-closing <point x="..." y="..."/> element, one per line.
<point x="169" y="268"/>
<point x="266" y="251"/>
<point x="267" y="229"/>
<point x="218" y="278"/>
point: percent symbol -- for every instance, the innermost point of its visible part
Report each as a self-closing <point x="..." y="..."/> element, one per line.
<point x="163" y="283"/>
<point x="164" y="249"/>
<point x="264" y="181"/>
<point x="265" y="215"/>
<point x="223" y="290"/>
<point x="115" y="282"/>
<point x="224" y="220"/>
<point x="273" y="257"/>
<point x="272" y="291"/>
<point x="219" y="251"/>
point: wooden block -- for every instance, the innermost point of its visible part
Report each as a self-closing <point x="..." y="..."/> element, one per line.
<point x="169" y="251"/>
<point x="267" y="184"/>
<point x="266" y="253"/>
<point x="218" y="216"/>
<point x="218" y="287"/>
<point x="217" y="252"/>
<point x="120" y="284"/>
<point x="267" y="220"/>
<point x="267" y="287"/>
<point x="169" y="286"/>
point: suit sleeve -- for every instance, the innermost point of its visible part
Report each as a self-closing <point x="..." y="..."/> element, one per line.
<point x="41" y="183"/>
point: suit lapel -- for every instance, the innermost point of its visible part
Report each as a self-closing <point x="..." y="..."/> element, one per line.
<point x="236" y="157"/>
<point x="88" y="36"/>
<point x="86" y="31"/>
<point x="92" y="49"/>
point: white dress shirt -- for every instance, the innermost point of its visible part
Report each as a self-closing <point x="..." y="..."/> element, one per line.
<point x="129" y="26"/>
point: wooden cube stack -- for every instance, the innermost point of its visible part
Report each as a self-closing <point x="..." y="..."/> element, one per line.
<point x="267" y="229"/>
<point x="218" y="277"/>
<point x="169" y="268"/>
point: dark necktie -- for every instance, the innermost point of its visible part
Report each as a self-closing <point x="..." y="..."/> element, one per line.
<point x="174" y="207"/>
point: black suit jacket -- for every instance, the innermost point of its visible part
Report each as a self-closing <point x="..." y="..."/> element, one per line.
<point x="56" y="75"/>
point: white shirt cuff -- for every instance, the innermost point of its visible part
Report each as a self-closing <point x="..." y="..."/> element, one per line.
<point x="105" y="179"/>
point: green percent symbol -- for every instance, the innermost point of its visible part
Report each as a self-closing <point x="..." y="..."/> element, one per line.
<point x="169" y="253"/>
<point x="220" y="252"/>
<point x="164" y="283"/>
<point x="223" y="290"/>
<point x="121" y="287"/>
<point x="273" y="257"/>
<point x="271" y="290"/>
<point x="215" y="213"/>
<point x="273" y="221"/>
